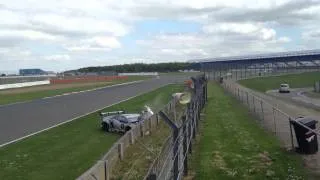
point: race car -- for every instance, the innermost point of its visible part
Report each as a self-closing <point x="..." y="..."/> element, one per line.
<point x="120" y="121"/>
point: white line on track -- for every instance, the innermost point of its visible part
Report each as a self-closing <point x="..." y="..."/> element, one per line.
<point x="65" y="94"/>
<point x="56" y="125"/>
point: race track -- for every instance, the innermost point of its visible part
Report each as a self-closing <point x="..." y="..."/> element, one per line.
<point x="19" y="120"/>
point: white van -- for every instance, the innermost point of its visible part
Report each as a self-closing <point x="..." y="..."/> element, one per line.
<point x="284" y="88"/>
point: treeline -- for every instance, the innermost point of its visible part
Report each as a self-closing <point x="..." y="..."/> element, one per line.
<point x="140" y="67"/>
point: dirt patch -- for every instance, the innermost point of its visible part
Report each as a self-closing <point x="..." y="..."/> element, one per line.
<point x="51" y="87"/>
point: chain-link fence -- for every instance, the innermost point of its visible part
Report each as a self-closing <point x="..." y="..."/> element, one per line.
<point x="103" y="168"/>
<point x="269" y="116"/>
<point x="172" y="162"/>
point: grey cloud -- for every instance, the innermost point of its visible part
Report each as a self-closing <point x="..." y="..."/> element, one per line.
<point x="285" y="14"/>
<point x="161" y="11"/>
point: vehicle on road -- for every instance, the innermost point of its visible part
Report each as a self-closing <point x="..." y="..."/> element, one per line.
<point x="119" y="121"/>
<point x="284" y="88"/>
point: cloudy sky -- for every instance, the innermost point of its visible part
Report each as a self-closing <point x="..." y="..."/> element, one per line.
<point x="67" y="34"/>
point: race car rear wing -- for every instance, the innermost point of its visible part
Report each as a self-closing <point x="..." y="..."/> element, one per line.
<point x="102" y="114"/>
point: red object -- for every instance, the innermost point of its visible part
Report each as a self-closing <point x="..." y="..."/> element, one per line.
<point x="188" y="83"/>
<point x="87" y="79"/>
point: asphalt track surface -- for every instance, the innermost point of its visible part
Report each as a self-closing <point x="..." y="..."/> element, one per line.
<point x="22" y="119"/>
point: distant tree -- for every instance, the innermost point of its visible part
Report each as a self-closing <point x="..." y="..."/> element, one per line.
<point x="140" y="67"/>
<point x="2" y="75"/>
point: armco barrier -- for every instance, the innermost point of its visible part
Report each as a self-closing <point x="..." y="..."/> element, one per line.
<point x="25" y="84"/>
<point x="87" y="79"/>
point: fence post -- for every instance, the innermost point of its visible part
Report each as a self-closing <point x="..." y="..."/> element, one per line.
<point x="189" y="120"/>
<point x="274" y="120"/>
<point x="190" y="134"/>
<point x="239" y="94"/>
<point x="131" y="137"/>
<point x="141" y="129"/>
<point x="106" y="170"/>
<point x="185" y="144"/>
<point x="261" y="103"/>
<point x="253" y="101"/>
<point x="120" y="150"/>
<point x="175" y="138"/>
<point x="150" y="125"/>
<point x="157" y="116"/>
<point x="248" y="99"/>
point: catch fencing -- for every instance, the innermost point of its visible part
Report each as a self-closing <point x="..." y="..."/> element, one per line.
<point x="173" y="156"/>
<point x="269" y="116"/>
<point x="172" y="162"/>
<point x="103" y="168"/>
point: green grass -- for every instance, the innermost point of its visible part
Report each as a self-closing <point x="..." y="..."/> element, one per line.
<point x="273" y="82"/>
<point x="138" y="158"/>
<point x="233" y="146"/>
<point x="27" y="96"/>
<point x="67" y="151"/>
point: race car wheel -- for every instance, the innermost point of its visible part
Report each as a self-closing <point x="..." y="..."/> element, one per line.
<point x="128" y="128"/>
<point x="105" y="127"/>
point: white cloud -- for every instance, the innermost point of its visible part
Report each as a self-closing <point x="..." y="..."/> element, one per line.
<point x="26" y="34"/>
<point x="79" y="31"/>
<point x="98" y="43"/>
<point x="58" y="57"/>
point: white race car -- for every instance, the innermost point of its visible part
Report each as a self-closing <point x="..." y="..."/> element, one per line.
<point x="119" y="121"/>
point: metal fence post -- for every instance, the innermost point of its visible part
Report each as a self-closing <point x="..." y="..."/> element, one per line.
<point x="262" y="112"/>
<point x="120" y="151"/>
<point x="274" y="120"/>
<point x="253" y="101"/>
<point x="106" y="170"/>
<point x="157" y="116"/>
<point x="248" y="99"/>
<point x="185" y="144"/>
<point x="175" y="138"/>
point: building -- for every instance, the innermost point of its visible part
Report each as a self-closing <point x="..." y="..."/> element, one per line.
<point x="31" y="72"/>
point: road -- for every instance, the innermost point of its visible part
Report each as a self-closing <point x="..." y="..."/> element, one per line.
<point x="20" y="120"/>
<point x="298" y="97"/>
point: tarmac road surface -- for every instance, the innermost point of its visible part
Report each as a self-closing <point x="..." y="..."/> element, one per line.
<point x="23" y="119"/>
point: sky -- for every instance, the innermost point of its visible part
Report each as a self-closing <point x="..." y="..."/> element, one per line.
<point x="60" y="35"/>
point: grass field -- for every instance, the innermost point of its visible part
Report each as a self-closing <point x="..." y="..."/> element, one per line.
<point x="273" y="82"/>
<point x="67" y="151"/>
<point x="37" y="92"/>
<point x="231" y="145"/>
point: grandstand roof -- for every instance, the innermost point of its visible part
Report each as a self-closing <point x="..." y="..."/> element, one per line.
<point x="306" y="55"/>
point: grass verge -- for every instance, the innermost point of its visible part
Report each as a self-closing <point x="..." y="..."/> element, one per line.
<point x="233" y="146"/>
<point x="263" y="84"/>
<point x="65" y="152"/>
<point x="27" y="96"/>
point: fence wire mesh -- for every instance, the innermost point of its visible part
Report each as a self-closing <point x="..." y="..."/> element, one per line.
<point x="172" y="162"/>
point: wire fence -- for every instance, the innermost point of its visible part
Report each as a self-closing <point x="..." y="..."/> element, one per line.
<point x="103" y="168"/>
<point x="269" y="116"/>
<point x="172" y="162"/>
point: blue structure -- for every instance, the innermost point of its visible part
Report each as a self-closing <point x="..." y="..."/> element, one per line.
<point x="31" y="72"/>
<point x="262" y="63"/>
